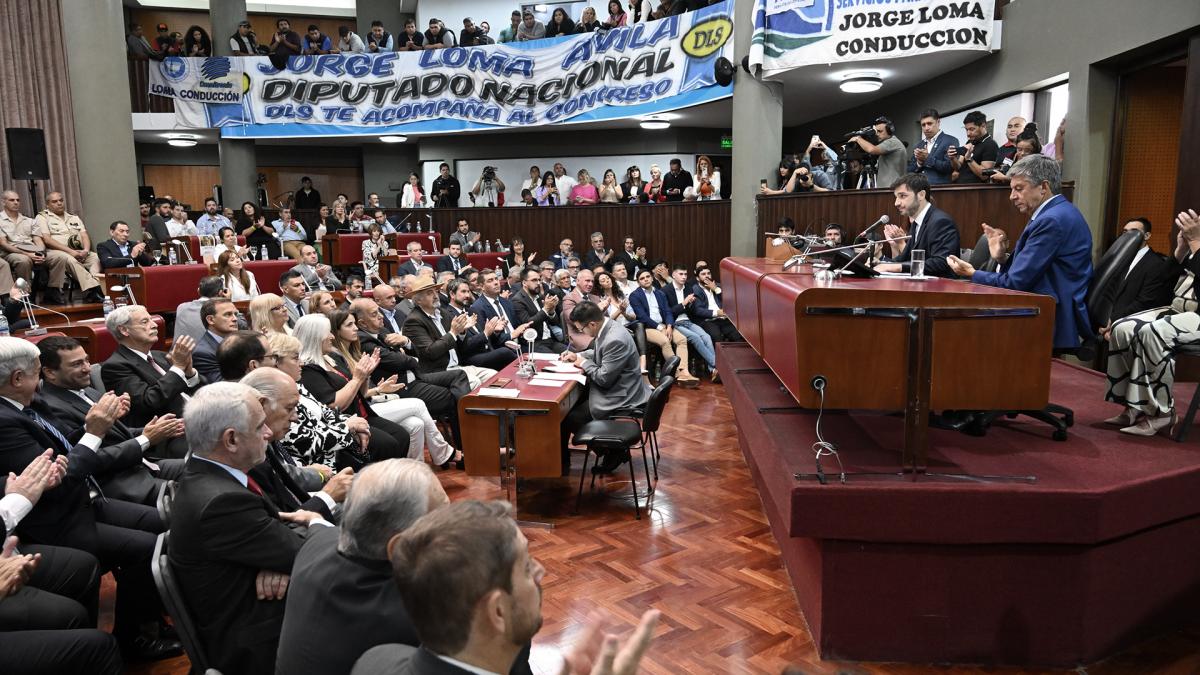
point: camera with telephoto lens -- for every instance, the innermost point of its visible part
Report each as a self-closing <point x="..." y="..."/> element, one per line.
<point x="489" y="173"/>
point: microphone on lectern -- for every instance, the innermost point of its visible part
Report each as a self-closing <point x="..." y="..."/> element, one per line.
<point x="883" y="220"/>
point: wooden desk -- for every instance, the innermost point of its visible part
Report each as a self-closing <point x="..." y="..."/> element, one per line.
<point x="539" y="451"/>
<point x="161" y="288"/>
<point x="977" y="364"/>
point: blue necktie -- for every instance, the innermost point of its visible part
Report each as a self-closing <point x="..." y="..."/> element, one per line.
<point x="54" y="432"/>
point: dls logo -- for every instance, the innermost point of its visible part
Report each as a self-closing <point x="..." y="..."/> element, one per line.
<point x="707" y="37"/>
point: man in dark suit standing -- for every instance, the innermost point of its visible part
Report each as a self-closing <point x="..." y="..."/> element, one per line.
<point x="219" y="316"/>
<point x="1053" y="256"/>
<point x="67" y="390"/>
<point x="929" y="155"/>
<point x="157" y="383"/>
<point x="1146" y="283"/>
<point x="539" y="310"/>
<point x="76" y="514"/>
<point x="118" y="251"/>
<point x="158" y="222"/>
<point x="676" y="181"/>
<point x="930" y="229"/>
<point x="482" y="345"/>
<point x="231" y="548"/>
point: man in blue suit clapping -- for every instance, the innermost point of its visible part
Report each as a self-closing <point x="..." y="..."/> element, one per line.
<point x="1053" y="256"/>
<point x="929" y="155"/>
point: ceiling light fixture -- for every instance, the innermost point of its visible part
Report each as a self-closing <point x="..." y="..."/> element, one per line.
<point x="654" y="123"/>
<point x="860" y="83"/>
<point x="393" y="138"/>
<point x="181" y="142"/>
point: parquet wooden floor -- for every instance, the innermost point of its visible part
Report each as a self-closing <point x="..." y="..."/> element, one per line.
<point x="704" y="556"/>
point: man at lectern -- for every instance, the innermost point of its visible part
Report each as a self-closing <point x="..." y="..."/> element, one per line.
<point x="930" y="229"/>
<point x="1053" y="256"/>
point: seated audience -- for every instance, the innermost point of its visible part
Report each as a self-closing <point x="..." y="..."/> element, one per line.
<point x="291" y="234"/>
<point x="349" y="43"/>
<point x="253" y="225"/>
<point x="379" y="40"/>
<point x="835" y="235"/>
<point x="119" y="534"/>
<point x="530" y="28"/>
<point x="539" y="309"/>
<point x="187" y="314"/>
<point x="315" y="42"/>
<point x="437" y="347"/>
<point x="65" y="237"/>
<point x="482" y="345"/>
<point x="414" y="264"/>
<point x="211" y="222"/>
<point x="931" y="229"/>
<point x="219" y="317"/>
<point x="232" y="550"/>
<point x="516" y="256"/>
<point x="1147" y="282"/>
<point x="621" y="278"/>
<point x="437" y="37"/>
<point x="321" y="302"/>
<point x="345" y="578"/>
<point x="455" y="261"/>
<point x="238" y="280"/>
<point x="709" y="308"/>
<point x="680" y="299"/>
<point x="470" y="241"/>
<point x="354" y="290"/>
<point x="316" y="276"/>
<point x="322" y="435"/>
<point x="118" y="251"/>
<point x="179" y="225"/>
<point x="930" y="154"/>
<point x="559" y="24"/>
<point x="291" y="284"/>
<point x="157" y="383"/>
<point x="564" y="255"/>
<point x="1053" y="256"/>
<point x="1027" y="144"/>
<point x="652" y="310"/>
<point x="269" y="315"/>
<point x="582" y="292"/>
<point x="285" y="41"/>
<point x="477" y="549"/>
<point x="587" y="22"/>
<point x="1142" y="347"/>
<point x="244" y="42"/>
<point x="24" y="248"/>
<point x="597" y="255"/>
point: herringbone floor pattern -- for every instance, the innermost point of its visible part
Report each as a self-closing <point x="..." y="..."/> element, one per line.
<point x="704" y="556"/>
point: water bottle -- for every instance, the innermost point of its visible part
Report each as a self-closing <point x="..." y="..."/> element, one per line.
<point x="3" y="325"/>
<point x="263" y="254"/>
<point x="108" y="305"/>
<point x="487" y="246"/>
<point x="500" y="247"/>
<point x="172" y="256"/>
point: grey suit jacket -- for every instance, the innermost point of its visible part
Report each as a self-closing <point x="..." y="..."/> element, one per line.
<point x="187" y="319"/>
<point x="204" y="357"/>
<point x="614" y="372"/>
<point x="332" y="283"/>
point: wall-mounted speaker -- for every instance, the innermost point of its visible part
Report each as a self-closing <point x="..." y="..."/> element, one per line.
<point x="27" y="154"/>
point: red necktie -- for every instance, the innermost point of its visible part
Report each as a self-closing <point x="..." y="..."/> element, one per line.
<point x="250" y="483"/>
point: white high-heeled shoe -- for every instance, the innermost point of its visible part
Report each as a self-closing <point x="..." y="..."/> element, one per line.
<point x="1150" y="426"/>
<point x="1127" y="418"/>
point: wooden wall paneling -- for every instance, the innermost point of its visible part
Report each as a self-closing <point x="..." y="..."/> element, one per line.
<point x="1187" y="186"/>
<point x="328" y="180"/>
<point x="856" y="209"/>
<point x="188" y="184"/>
<point x="192" y="184"/>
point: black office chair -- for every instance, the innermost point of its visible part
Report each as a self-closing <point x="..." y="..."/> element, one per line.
<point x="981" y="256"/>
<point x="1107" y="276"/>
<point x="622" y="436"/>
<point x="172" y="597"/>
<point x="649" y="417"/>
<point x="166" y="496"/>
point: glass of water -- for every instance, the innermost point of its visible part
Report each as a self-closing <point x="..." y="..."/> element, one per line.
<point x="917" y="263"/>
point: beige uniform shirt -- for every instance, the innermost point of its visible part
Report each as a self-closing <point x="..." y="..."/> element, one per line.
<point x="18" y="232"/>
<point x="59" y="228"/>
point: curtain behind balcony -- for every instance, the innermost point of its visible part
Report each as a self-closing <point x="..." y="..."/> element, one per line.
<point x="35" y="93"/>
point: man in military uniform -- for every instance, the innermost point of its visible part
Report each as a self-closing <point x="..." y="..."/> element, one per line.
<point x="66" y="238"/>
<point x="23" y="248"/>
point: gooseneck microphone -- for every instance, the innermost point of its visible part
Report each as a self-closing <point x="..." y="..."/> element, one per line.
<point x="883" y="220"/>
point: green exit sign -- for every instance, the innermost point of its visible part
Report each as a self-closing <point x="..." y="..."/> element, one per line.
<point x="727" y="142"/>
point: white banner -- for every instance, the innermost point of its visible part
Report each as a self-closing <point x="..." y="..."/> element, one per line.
<point x="628" y="71"/>
<point x="793" y="33"/>
<point x="215" y="79"/>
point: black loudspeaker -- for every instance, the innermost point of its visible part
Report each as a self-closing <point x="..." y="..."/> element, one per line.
<point x="723" y="71"/>
<point x="27" y="154"/>
<point x="145" y="194"/>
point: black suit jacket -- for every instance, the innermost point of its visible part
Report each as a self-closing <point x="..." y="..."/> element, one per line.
<point x="1148" y="285"/>
<point x="632" y="264"/>
<point x="150" y="394"/>
<point x="433" y="348"/>
<point x="110" y="255"/>
<point x="675" y="300"/>
<point x="222" y="535"/>
<point x="358" y="604"/>
<point x="408" y="269"/>
<point x="527" y="309"/>
<point x="392" y="360"/>
<point x="402" y="659"/>
<point x="204" y="358"/>
<point x="63" y="516"/>
<point x="157" y="228"/>
<point x="474" y="342"/>
<point x="122" y="474"/>
<point x="275" y="477"/>
<point x="938" y="236"/>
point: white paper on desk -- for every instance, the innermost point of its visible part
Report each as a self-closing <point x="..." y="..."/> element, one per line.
<point x="499" y="392"/>
<point x="98" y="319"/>
<point x="538" y="356"/>
<point x="903" y="275"/>
<point x="562" y="368"/>
<point x="575" y="377"/>
<point x="543" y="382"/>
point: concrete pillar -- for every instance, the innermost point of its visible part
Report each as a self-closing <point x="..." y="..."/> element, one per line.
<point x="1089" y="145"/>
<point x="225" y="16"/>
<point x="103" y="116"/>
<point x="239" y="171"/>
<point x="757" y="137"/>
<point x="386" y="166"/>
<point x="387" y="11"/>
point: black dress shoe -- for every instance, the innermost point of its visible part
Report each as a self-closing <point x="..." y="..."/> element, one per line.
<point x="52" y="296"/>
<point x="144" y="648"/>
<point x="611" y="461"/>
<point x="94" y="296"/>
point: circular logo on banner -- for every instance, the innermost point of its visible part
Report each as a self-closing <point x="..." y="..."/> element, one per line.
<point x="707" y="37"/>
<point x="215" y="67"/>
<point x="173" y="68"/>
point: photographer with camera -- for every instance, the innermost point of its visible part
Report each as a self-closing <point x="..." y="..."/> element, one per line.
<point x="803" y="179"/>
<point x="879" y="140"/>
<point x="975" y="162"/>
<point x="446" y="189"/>
<point x="285" y="41"/>
<point x="489" y="187"/>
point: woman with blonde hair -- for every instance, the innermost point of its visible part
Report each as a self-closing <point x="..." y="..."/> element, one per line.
<point x="268" y="315"/>
<point x="584" y="193"/>
<point x="706" y="181"/>
<point x="237" y="279"/>
<point x="654" y="187"/>
<point x="322" y="435"/>
<point x="410" y="413"/>
<point x="321" y="302"/>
